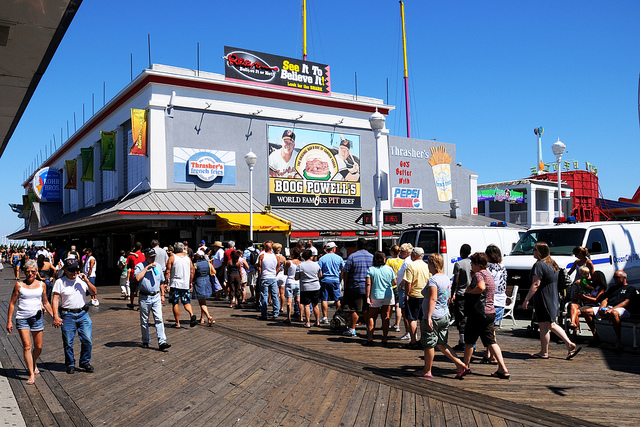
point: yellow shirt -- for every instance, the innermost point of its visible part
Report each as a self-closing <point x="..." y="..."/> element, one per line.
<point x="417" y="274"/>
<point x="395" y="264"/>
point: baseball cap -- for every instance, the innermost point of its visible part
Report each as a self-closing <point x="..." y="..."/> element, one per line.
<point x="330" y="245"/>
<point x="200" y="252"/>
<point x="202" y="242"/>
<point x="149" y="252"/>
<point x="289" y="134"/>
<point x="71" y="264"/>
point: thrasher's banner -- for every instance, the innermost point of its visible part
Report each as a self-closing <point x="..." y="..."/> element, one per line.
<point x="139" y="132"/>
<point x="271" y="70"/>
<point x="108" y="151"/>
<point x="313" y="168"/>
<point x="87" y="164"/>
<point x="72" y="174"/>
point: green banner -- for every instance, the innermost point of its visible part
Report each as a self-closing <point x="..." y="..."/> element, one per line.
<point x="108" y="152"/>
<point x="87" y="164"/>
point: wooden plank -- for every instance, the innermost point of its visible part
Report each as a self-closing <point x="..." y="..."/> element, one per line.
<point x="497" y="421"/>
<point x="451" y="416"/>
<point x="395" y="407"/>
<point x="408" y="417"/>
<point x="367" y="404"/>
<point x="340" y="405"/>
<point x="353" y="406"/>
<point x="422" y="410"/>
<point x="481" y="418"/>
<point x="466" y="417"/>
<point x="381" y="406"/>
<point x="436" y="411"/>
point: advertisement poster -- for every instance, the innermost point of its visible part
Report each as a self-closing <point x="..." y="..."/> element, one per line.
<point x="271" y="70"/>
<point x="139" y="132"/>
<point x="108" y="151"/>
<point x="204" y="167"/>
<point x="313" y="168"/>
<point x="47" y="185"/>
<point x="86" y="155"/>
<point x="72" y="174"/>
<point x="500" y="195"/>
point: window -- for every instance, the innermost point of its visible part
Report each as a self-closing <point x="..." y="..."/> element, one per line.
<point x="429" y="240"/>
<point x="561" y="241"/>
<point x="408" y="237"/>
<point x="596" y="236"/>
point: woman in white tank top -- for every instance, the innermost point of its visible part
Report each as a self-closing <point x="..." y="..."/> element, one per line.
<point x="27" y="300"/>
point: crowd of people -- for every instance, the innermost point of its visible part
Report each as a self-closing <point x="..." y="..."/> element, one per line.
<point x="362" y="285"/>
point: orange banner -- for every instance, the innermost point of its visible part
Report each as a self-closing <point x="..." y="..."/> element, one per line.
<point x="72" y="170"/>
<point x="138" y="132"/>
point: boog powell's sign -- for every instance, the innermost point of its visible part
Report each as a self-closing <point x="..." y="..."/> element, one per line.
<point x="271" y="70"/>
<point x="47" y="185"/>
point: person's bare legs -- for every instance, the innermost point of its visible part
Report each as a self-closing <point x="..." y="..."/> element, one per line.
<point x="325" y="308"/>
<point x="289" y="304"/>
<point x="204" y="310"/>
<point x="429" y="354"/>
<point x="451" y="355"/>
<point x="385" y="314"/>
<point x="316" y="314"/>
<point x="413" y="330"/>
<point x="25" y="335"/>
<point x="495" y="350"/>
<point x="398" y="311"/>
<point x="373" y="316"/>
<point x="176" y="314"/>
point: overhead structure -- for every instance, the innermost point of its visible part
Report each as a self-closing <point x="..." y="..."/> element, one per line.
<point x="30" y="33"/>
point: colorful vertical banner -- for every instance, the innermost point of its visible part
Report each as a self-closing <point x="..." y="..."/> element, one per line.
<point x="138" y="132"/>
<point x="87" y="164"/>
<point x="72" y="174"/>
<point x="108" y="151"/>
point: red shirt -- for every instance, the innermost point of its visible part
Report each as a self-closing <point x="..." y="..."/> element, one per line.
<point x="227" y="256"/>
<point x="132" y="260"/>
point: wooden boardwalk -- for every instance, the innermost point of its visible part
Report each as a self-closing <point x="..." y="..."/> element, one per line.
<point x="243" y="371"/>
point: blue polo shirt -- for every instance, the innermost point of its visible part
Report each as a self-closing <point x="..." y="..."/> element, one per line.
<point x="357" y="266"/>
<point x="331" y="265"/>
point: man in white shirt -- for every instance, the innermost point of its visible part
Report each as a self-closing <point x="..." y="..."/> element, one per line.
<point x="282" y="161"/>
<point x="268" y="269"/>
<point x="218" y="263"/>
<point x="179" y="273"/>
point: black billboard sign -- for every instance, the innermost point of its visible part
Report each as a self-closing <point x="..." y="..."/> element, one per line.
<point x="271" y="70"/>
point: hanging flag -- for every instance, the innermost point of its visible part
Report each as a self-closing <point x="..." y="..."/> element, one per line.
<point x="87" y="164"/>
<point x="108" y="152"/>
<point x="72" y="174"/>
<point x="138" y="132"/>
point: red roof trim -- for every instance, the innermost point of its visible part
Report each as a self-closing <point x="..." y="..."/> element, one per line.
<point x="161" y="213"/>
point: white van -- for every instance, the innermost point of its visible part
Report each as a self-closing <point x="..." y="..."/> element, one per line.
<point x="446" y="240"/>
<point x="613" y="245"/>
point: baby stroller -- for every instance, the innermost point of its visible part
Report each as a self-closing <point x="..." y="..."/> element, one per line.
<point x="338" y="322"/>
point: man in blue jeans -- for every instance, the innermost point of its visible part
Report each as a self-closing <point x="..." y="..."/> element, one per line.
<point x="151" y="297"/>
<point x="331" y="265"/>
<point x="71" y="314"/>
<point x="268" y="269"/>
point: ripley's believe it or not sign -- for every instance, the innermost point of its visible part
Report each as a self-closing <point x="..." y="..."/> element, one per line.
<point x="271" y="70"/>
<point x="313" y="168"/>
<point x="47" y="185"/>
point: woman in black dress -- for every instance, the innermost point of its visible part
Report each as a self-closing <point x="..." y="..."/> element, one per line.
<point x="544" y="294"/>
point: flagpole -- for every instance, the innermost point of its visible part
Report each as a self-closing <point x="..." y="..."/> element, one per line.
<point x="406" y="72"/>
<point x="304" y="30"/>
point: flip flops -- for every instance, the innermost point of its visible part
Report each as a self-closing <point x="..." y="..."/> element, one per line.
<point x="537" y="356"/>
<point x="501" y="375"/>
<point x="194" y="321"/>
<point x="421" y="375"/>
<point x="573" y="353"/>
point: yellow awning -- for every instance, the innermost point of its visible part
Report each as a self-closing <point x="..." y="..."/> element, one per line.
<point x="261" y="222"/>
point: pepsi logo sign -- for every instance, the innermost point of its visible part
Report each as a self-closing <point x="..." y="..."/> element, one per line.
<point x="410" y="198"/>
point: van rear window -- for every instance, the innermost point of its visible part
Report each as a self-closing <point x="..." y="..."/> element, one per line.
<point x="408" y="237"/>
<point x="561" y="241"/>
<point x="429" y="240"/>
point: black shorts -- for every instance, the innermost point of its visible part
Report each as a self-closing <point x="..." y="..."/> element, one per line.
<point x="309" y="297"/>
<point x="396" y="297"/>
<point x="414" y="308"/>
<point x="480" y="327"/>
<point x="354" y="302"/>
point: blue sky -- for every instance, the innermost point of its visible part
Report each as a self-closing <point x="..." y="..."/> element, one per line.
<point x="482" y="74"/>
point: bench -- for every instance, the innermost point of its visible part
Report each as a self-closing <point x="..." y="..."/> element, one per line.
<point x="631" y="322"/>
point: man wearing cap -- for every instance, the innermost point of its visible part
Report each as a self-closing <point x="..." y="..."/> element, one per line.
<point x="251" y="254"/>
<point x="348" y="165"/>
<point x="218" y="261"/>
<point x="71" y="313"/>
<point x="150" y="298"/>
<point x="282" y="161"/>
<point x="331" y="265"/>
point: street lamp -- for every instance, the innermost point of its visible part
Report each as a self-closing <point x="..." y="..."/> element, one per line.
<point x="558" y="148"/>
<point x="377" y="126"/>
<point x="251" y="160"/>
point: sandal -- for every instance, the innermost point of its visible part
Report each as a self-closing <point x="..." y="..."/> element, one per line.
<point x="537" y="356"/>
<point x="421" y="375"/>
<point x="486" y="361"/>
<point x="501" y="375"/>
<point x="573" y="353"/>
<point x="31" y="382"/>
<point x="211" y="322"/>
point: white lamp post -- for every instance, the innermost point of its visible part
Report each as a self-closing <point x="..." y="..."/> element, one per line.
<point x="377" y="121"/>
<point x="251" y="160"/>
<point x="558" y="148"/>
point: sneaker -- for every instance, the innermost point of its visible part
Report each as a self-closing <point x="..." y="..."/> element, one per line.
<point x="164" y="346"/>
<point x="405" y="337"/>
<point x="349" y="333"/>
<point x="324" y="321"/>
<point x="86" y="366"/>
<point x="396" y="328"/>
<point x="71" y="369"/>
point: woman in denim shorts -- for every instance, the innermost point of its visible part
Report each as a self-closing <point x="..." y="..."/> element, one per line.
<point x="27" y="300"/>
